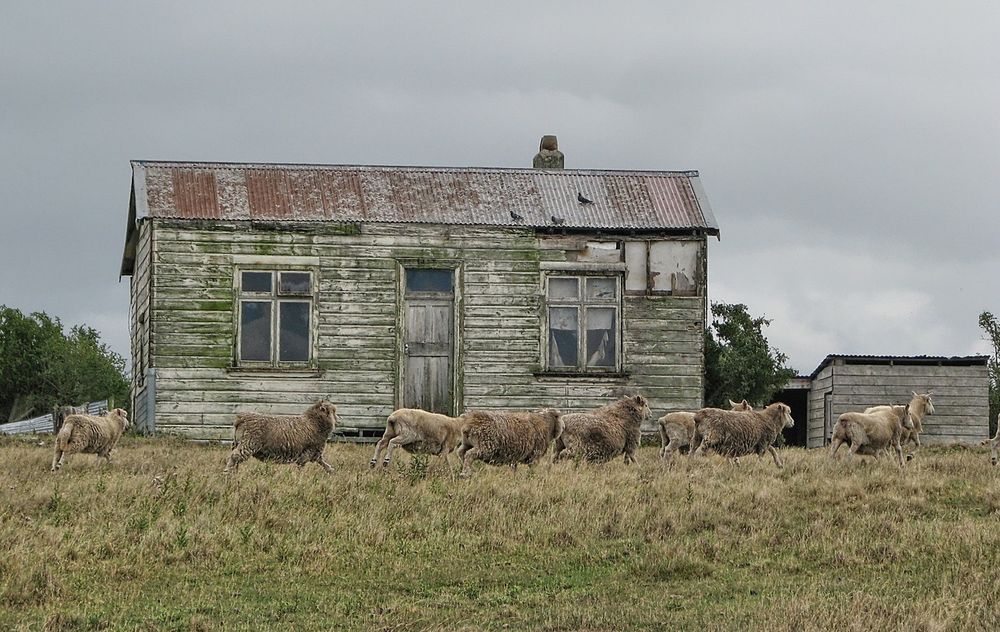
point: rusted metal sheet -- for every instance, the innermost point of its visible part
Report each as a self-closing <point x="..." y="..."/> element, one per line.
<point x="618" y="200"/>
<point x="43" y="424"/>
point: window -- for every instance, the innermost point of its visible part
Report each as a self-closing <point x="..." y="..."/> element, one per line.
<point x="275" y="317"/>
<point x="583" y="323"/>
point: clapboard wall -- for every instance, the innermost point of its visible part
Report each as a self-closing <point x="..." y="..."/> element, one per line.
<point x="959" y="387"/>
<point x="499" y="306"/>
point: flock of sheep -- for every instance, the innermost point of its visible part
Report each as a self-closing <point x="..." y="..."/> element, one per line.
<point x="513" y="438"/>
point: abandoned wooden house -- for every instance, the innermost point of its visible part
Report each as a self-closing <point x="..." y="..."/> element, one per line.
<point x="841" y="383"/>
<point x="268" y="286"/>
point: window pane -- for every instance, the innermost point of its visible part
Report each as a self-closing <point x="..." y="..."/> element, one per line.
<point x="601" y="337"/>
<point x="255" y="331"/>
<point x="293" y="339"/>
<point x="293" y="282"/>
<point x="564" y="327"/>
<point x="564" y="288"/>
<point x="425" y="280"/>
<point x="256" y="282"/>
<point x="601" y="289"/>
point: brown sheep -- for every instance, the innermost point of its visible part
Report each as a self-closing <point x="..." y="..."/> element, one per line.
<point x="89" y="434"/>
<point x="507" y="438"/>
<point x="677" y="429"/>
<point x="737" y="433"/>
<point x="603" y="434"/>
<point x="284" y="438"/>
<point x="921" y="405"/>
<point x="869" y="433"/>
<point x="417" y="430"/>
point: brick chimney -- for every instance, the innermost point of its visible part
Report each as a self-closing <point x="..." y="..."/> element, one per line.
<point x="548" y="156"/>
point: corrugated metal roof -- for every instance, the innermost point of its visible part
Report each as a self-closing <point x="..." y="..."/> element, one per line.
<point x="977" y="360"/>
<point x="622" y="200"/>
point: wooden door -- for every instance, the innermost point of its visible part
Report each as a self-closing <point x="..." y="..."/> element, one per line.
<point x="428" y="340"/>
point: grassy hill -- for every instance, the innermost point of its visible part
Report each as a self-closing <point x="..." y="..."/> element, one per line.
<point x="162" y="540"/>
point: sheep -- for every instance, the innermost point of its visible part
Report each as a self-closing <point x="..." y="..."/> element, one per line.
<point x="603" y="434"/>
<point x="920" y="406"/>
<point x="507" y="438"/>
<point x="283" y="438"/>
<point x="994" y="443"/>
<point x="677" y="429"/>
<point x="869" y="433"/>
<point x="736" y="433"/>
<point x="89" y="434"/>
<point x="417" y="430"/>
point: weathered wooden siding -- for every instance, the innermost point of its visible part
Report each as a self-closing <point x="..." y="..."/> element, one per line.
<point x="139" y="323"/>
<point x="821" y="385"/>
<point x="960" y="397"/>
<point x="498" y="308"/>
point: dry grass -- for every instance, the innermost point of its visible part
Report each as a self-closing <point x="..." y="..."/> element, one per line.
<point x="161" y="540"/>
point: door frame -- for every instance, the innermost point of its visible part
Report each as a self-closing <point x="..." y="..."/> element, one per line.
<point x="458" y="320"/>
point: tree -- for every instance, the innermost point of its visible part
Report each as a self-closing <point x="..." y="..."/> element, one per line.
<point x="739" y="362"/>
<point x="41" y="366"/>
<point x="989" y="324"/>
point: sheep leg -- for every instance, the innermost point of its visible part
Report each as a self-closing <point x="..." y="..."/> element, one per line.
<point x="664" y="442"/>
<point x="558" y="449"/>
<point x="835" y="444"/>
<point x="774" y="454"/>
<point x="57" y="459"/>
<point x="899" y="452"/>
<point x="378" y="449"/>
<point x="326" y="466"/>
<point x="468" y="456"/>
<point x="993" y="451"/>
<point x="240" y="453"/>
<point x="394" y="443"/>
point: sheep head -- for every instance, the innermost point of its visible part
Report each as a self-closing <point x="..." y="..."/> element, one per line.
<point x="642" y="406"/>
<point x="907" y="421"/>
<point x="744" y="405"/>
<point x="326" y="410"/>
<point x="784" y="414"/>
<point x="121" y="414"/>
<point x="926" y="399"/>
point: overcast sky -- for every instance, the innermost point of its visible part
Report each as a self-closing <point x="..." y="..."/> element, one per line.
<point x="850" y="152"/>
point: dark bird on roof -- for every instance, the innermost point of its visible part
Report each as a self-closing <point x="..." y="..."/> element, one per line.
<point x="581" y="199"/>
<point x="558" y="220"/>
<point x="514" y="216"/>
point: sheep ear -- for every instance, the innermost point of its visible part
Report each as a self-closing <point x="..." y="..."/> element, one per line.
<point x="639" y="399"/>
<point x="745" y="403"/>
<point x="914" y="393"/>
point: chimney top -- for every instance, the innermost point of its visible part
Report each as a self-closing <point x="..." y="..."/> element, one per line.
<point x="548" y="156"/>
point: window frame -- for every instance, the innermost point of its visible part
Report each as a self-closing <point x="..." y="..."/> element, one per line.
<point x="275" y="298"/>
<point x="583" y="305"/>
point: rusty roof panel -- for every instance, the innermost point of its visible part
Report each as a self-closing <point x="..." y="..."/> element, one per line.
<point x="638" y="200"/>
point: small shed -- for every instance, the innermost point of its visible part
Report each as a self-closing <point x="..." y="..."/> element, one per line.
<point x="268" y="286"/>
<point x="959" y="387"/>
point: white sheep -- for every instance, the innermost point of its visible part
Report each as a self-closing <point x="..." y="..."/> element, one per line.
<point x="677" y="429"/>
<point x="994" y="443"/>
<point x="420" y="431"/>
<point x="921" y="405"/>
<point x="283" y="438"/>
<point x="737" y="433"/>
<point x="89" y="434"/>
<point x="869" y="433"/>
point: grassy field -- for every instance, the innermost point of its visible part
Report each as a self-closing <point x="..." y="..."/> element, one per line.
<point x="162" y="540"/>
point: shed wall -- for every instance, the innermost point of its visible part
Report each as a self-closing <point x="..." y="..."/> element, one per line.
<point x="139" y="323"/>
<point x="960" y="393"/>
<point x="821" y="385"/>
<point x="499" y="309"/>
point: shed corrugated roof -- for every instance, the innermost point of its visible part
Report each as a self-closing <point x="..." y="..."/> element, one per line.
<point x="622" y="200"/>
<point x="925" y="360"/>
